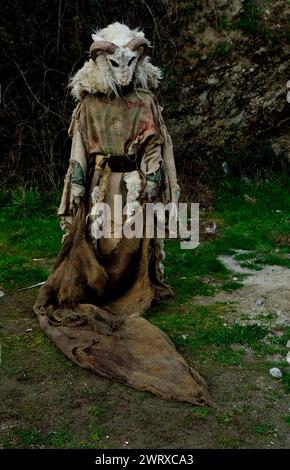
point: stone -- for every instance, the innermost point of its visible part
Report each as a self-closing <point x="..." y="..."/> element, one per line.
<point x="275" y="372"/>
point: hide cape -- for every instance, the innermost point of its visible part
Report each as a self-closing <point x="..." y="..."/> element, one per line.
<point x="92" y="304"/>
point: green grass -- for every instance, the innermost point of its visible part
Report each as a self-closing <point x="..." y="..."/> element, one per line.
<point x="97" y="434"/>
<point x="35" y="439"/>
<point x="199" y="329"/>
<point x="200" y="412"/>
<point x="252" y="226"/>
<point x="226" y="357"/>
<point x="286" y="381"/>
<point x="204" y="334"/>
<point x="101" y="410"/>
<point x="30" y="438"/>
<point x="251" y="21"/>
<point x="225" y="418"/>
<point x="264" y="429"/>
<point x="287" y="419"/>
<point x="241" y="226"/>
<point x="222" y="50"/>
<point x="29" y="231"/>
<point x="230" y="286"/>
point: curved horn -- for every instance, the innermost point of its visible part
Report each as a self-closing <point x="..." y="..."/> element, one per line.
<point x="135" y="43"/>
<point x="102" y="46"/>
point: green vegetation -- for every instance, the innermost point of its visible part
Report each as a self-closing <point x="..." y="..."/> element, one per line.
<point x="225" y="418"/>
<point x="287" y="419"/>
<point x="59" y="439"/>
<point x="101" y="409"/>
<point x="286" y="381"/>
<point x="200" y="412"/>
<point x="254" y="21"/>
<point x="208" y="335"/>
<point x="222" y="49"/>
<point x="204" y="331"/>
<point x="264" y="429"/>
<point x="30" y="237"/>
<point x="33" y="438"/>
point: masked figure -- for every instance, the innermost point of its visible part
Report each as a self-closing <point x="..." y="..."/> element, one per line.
<point x="103" y="280"/>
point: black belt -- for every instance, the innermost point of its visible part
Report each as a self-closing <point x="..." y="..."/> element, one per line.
<point x="120" y="163"/>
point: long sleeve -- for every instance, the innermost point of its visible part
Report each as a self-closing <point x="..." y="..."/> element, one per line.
<point x="151" y="158"/>
<point x="151" y="167"/>
<point x="74" y="181"/>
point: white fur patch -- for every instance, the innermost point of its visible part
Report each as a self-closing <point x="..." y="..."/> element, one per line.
<point x="95" y="194"/>
<point x="117" y="33"/>
<point x="134" y="187"/>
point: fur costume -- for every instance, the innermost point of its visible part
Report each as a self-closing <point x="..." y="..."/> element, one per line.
<point x="91" y="305"/>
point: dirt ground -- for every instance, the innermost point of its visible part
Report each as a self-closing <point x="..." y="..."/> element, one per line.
<point x="46" y="401"/>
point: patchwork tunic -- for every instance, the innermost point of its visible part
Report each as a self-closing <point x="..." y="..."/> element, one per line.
<point x="130" y="126"/>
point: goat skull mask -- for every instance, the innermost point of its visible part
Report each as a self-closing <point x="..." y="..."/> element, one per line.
<point x="122" y="60"/>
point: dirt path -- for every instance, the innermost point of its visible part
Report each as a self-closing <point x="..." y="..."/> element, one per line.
<point x="265" y="292"/>
<point x="46" y="401"/>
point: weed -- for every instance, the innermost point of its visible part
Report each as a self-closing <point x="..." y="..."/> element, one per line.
<point x="200" y="412"/>
<point x="287" y="419"/>
<point x="227" y="357"/>
<point x="222" y="49"/>
<point x="224" y="418"/>
<point x="99" y="410"/>
<point x="264" y="429"/>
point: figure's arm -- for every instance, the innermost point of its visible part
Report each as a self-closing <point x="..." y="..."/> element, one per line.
<point x="151" y="167"/>
<point x="74" y="181"/>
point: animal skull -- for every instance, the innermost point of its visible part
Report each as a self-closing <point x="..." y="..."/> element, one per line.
<point x="122" y="56"/>
<point x="122" y="65"/>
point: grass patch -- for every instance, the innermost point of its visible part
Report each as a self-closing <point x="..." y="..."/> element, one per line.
<point x="25" y="438"/>
<point x="225" y="418"/>
<point x="230" y="286"/>
<point x="97" y="435"/>
<point x="222" y="49"/>
<point x="203" y="333"/>
<point x="227" y="357"/>
<point x="30" y="230"/>
<point x="286" y="381"/>
<point x="101" y="410"/>
<point x="200" y="412"/>
<point x="264" y="429"/>
<point x="199" y="328"/>
<point x="287" y="419"/>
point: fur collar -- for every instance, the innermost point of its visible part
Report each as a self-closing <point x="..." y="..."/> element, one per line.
<point x="94" y="78"/>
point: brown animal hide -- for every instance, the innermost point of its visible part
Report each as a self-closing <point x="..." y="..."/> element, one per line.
<point x="103" y="330"/>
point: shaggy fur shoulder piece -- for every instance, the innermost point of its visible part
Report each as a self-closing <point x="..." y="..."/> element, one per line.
<point x="93" y="78"/>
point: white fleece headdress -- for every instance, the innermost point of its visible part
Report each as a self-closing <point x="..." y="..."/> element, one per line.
<point x="119" y="55"/>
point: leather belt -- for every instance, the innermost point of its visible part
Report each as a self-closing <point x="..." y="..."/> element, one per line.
<point x="119" y="163"/>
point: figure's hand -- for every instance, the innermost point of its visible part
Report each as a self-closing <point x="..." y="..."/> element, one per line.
<point x="153" y="184"/>
<point x="152" y="190"/>
<point x="78" y="200"/>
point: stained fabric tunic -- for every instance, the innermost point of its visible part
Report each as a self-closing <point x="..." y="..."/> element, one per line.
<point x="122" y="126"/>
<point x="111" y="126"/>
<point x="91" y="305"/>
